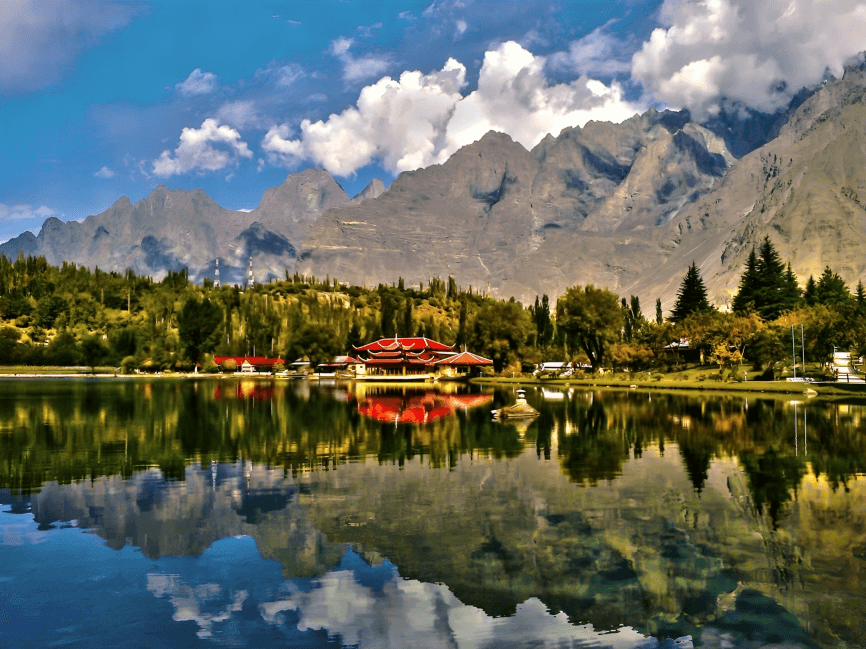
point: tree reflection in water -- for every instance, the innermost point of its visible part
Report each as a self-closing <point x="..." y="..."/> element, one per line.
<point x="654" y="510"/>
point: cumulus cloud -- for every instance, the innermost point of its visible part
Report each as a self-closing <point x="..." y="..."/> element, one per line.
<point x="514" y="97"/>
<point x="356" y="68"/>
<point x="105" y="172"/>
<point x="209" y="148"/>
<point x="18" y="212"/>
<point x="198" y="83"/>
<point x="421" y="119"/>
<point x="400" y="121"/>
<point x="41" y="39"/>
<point x="710" y="53"/>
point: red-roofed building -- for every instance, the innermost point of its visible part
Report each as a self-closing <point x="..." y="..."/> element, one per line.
<point x="400" y="359"/>
<point x="251" y="363"/>
<point x="461" y="365"/>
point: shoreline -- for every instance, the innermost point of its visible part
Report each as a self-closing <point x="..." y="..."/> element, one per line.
<point x="767" y="388"/>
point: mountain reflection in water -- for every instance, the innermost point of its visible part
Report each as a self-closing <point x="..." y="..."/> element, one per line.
<point x="283" y="513"/>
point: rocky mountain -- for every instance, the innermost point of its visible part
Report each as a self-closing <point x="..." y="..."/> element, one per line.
<point x="170" y="230"/>
<point x="578" y="208"/>
<point x="625" y="206"/>
<point x="805" y="189"/>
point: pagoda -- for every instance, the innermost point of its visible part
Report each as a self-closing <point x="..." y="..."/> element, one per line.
<point x="413" y="359"/>
<point x="400" y="359"/>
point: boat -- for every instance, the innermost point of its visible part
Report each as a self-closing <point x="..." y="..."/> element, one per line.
<point x="518" y="410"/>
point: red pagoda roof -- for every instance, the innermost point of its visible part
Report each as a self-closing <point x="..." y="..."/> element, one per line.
<point x="465" y="359"/>
<point x="414" y="344"/>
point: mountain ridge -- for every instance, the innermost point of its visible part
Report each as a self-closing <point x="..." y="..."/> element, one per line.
<point x="625" y="206"/>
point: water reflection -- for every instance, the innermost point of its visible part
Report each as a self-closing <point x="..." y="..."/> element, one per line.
<point x="671" y="515"/>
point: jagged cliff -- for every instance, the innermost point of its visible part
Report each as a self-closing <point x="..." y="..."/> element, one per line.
<point x="626" y="206"/>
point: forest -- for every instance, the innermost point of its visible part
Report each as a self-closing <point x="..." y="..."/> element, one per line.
<point x="74" y="316"/>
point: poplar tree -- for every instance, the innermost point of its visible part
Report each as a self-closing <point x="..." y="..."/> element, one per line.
<point x="692" y="296"/>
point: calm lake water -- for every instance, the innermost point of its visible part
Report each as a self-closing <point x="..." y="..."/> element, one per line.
<point x="172" y="513"/>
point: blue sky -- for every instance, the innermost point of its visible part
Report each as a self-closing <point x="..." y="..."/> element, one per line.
<point x="105" y="98"/>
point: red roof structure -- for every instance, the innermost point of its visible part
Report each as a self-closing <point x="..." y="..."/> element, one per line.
<point x="255" y="361"/>
<point x="407" y="344"/>
<point x="465" y="359"/>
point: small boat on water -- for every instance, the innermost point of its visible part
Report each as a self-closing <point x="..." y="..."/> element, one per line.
<point x="519" y="410"/>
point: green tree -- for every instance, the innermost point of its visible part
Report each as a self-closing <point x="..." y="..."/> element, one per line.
<point x="810" y="294"/>
<point x="691" y="297"/>
<point x="318" y="342"/>
<point x="591" y="319"/>
<point x="499" y="330"/>
<point x="408" y="324"/>
<point x="746" y="299"/>
<point x="93" y="350"/>
<point x="199" y="327"/>
<point x="659" y="315"/>
<point x="831" y="289"/>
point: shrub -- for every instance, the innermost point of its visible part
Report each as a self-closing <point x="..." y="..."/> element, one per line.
<point x="209" y="366"/>
<point x="127" y="365"/>
<point x="279" y="367"/>
<point x="230" y="365"/>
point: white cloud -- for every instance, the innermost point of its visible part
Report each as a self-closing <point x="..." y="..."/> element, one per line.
<point x="209" y="148"/>
<point x="461" y="27"/>
<point x="239" y="114"/>
<point x="105" y="172"/>
<point x="407" y="612"/>
<point x="756" y="54"/>
<point x="357" y="68"/>
<point x="282" y="150"/>
<point x="41" y="39"/>
<point x="17" y="212"/>
<point x="421" y="119"/>
<point x="198" y="83"/>
<point x="189" y="601"/>
<point x="283" y="75"/>
<point x="400" y="121"/>
<point x="514" y="97"/>
<point x="599" y="53"/>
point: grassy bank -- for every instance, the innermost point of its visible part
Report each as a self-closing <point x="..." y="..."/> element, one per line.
<point x="778" y="387"/>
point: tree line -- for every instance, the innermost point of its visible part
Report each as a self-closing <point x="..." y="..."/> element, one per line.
<point x="71" y="315"/>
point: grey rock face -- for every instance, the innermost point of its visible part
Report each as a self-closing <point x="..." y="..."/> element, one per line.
<point x="170" y="230"/>
<point x="527" y="222"/>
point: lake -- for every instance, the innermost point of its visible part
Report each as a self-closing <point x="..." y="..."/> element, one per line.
<point x="229" y="512"/>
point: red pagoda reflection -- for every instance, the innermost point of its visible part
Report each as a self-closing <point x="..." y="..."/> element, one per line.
<point x="245" y="390"/>
<point x="418" y="408"/>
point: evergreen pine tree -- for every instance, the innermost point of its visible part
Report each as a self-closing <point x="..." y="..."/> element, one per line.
<point x="791" y="294"/>
<point x="860" y="297"/>
<point x="770" y="300"/>
<point x="831" y="289"/>
<point x="692" y="296"/>
<point x="746" y="299"/>
<point x="810" y="295"/>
